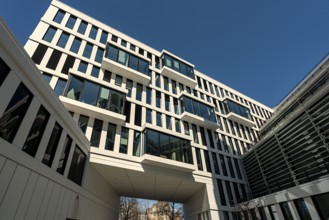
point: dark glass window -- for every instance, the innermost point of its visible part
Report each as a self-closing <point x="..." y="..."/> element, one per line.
<point x="107" y="76"/>
<point x="96" y="134"/>
<point x="138" y="115"/>
<point x="83" y="66"/>
<point x="127" y="111"/>
<point x="174" y="86"/>
<point x="177" y="125"/>
<point x="76" y="45"/>
<point x="221" y="192"/>
<point x="69" y="62"/>
<point x="77" y="166"/>
<point x="4" y="71"/>
<point x="83" y="123"/>
<point x="186" y="128"/>
<point x="149" y="115"/>
<point x="215" y="162"/>
<point x="82" y="27"/>
<point x="262" y="213"/>
<point x="159" y="119"/>
<point x="137" y="143"/>
<point x="178" y="66"/>
<point x="15" y="112"/>
<point x="211" y="140"/>
<point x="203" y="136"/>
<point x="103" y="39"/>
<point x="123" y="43"/>
<point x="65" y="155"/>
<point x="223" y="165"/>
<point x="166" y="83"/>
<point x="47" y="77"/>
<point x="157" y="80"/>
<point x="60" y="86"/>
<point x="118" y="80"/>
<point x="129" y="86"/>
<point x="206" y="157"/>
<point x="75" y="88"/>
<point x="230" y="166"/>
<point x="237" y="167"/>
<point x="38" y="54"/>
<point x="59" y="16"/>
<point x="114" y="38"/>
<point x="198" y="158"/>
<point x="99" y="55"/>
<point x="110" y="136"/>
<point x="176" y="107"/>
<point x="321" y="203"/>
<point x="34" y="137"/>
<point x="286" y="211"/>
<point x="158" y="99"/>
<point x="139" y="92"/>
<point x="54" y="59"/>
<point x="52" y="145"/>
<point x="168" y="122"/>
<point x="63" y="40"/>
<point x="198" y="108"/>
<point x="89" y="93"/>
<point x="88" y="50"/>
<point x="132" y="47"/>
<point x="71" y="22"/>
<point x="167" y="103"/>
<point x="124" y="140"/>
<point x="148" y="95"/>
<point x="93" y="32"/>
<point x="302" y="210"/>
<point x="195" y="134"/>
<point x="95" y="71"/>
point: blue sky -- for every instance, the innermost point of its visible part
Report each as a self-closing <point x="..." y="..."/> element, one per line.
<point x="260" y="48"/>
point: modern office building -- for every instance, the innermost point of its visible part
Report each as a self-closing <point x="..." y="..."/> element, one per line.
<point x="89" y="114"/>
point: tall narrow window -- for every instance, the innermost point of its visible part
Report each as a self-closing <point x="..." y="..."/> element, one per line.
<point x="59" y="16"/>
<point x="206" y="157"/>
<point x="99" y="55"/>
<point x="38" y="54"/>
<point x="96" y="134"/>
<point x="176" y="107"/>
<point x="83" y="122"/>
<point x="286" y="211"/>
<point x="82" y="27"/>
<point x="186" y="128"/>
<point x="148" y="95"/>
<point x="33" y="139"/>
<point x="195" y="134"/>
<point x="15" y="112"/>
<point x="124" y="140"/>
<point x="211" y="140"/>
<point x="93" y="32"/>
<point x="165" y="83"/>
<point x="302" y="210"/>
<point x="214" y="159"/>
<point x="223" y="165"/>
<point x="237" y="167"/>
<point x="203" y="136"/>
<point x="174" y="86"/>
<point x="157" y="80"/>
<point x="76" y="45"/>
<point x="110" y="136"/>
<point x="103" y="39"/>
<point x="71" y="22"/>
<point x="149" y="115"/>
<point x="168" y="122"/>
<point x="221" y="192"/>
<point x="60" y="85"/>
<point x="107" y="76"/>
<point x="95" y="71"/>
<point x="139" y="92"/>
<point x="83" y="66"/>
<point x="229" y="192"/>
<point x="118" y="80"/>
<point x="137" y="143"/>
<point x="167" y="103"/>
<point x="230" y="166"/>
<point x="64" y="156"/>
<point x="158" y="99"/>
<point x="198" y="158"/>
<point x="159" y="119"/>
<point x="4" y="71"/>
<point x="138" y="115"/>
<point x="69" y="62"/>
<point x="77" y="166"/>
<point x="63" y="40"/>
<point x="54" y="59"/>
<point x="88" y="50"/>
<point x="52" y="145"/>
<point x="129" y="86"/>
<point x="177" y="125"/>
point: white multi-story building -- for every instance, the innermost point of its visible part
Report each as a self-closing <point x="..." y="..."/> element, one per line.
<point x="122" y="119"/>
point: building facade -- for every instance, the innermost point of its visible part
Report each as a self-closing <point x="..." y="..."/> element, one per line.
<point x="119" y="118"/>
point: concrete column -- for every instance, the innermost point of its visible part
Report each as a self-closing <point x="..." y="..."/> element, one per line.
<point x="311" y="208"/>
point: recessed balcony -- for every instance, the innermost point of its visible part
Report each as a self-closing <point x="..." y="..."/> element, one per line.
<point x="194" y="119"/>
<point x="125" y="71"/>
<point x="178" y="77"/>
<point x="92" y="111"/>
<point x="242" y="120"/>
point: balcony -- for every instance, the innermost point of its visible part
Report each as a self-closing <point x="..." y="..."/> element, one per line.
<point x="241" y="120"/>
<point x="194" y="119"/>
<point x="125" y="71"/>
<point x="92" y="111"/>
<point x="178" y="77"/>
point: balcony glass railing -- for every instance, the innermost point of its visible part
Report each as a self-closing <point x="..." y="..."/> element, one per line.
<point x="178" y="66"/>
<point x="198" y="108"/>
<point x="230" y="106"/>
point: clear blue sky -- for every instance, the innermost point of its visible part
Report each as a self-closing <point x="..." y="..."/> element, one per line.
<point x="260" y="48"/>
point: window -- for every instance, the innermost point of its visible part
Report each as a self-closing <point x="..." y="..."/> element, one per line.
<point x="127" y="111"/>
<point x="186" y="128"/>
<point x="177" y="125"/>
<point x="52" y="145"/>
<point x="137" y="143"/>
<point x="321" y="203"/>
<point x="203" y="136"/>
<point x="83" y="123"/>
<point x="15" y="112"/>
<point x="75" y="45"/>
<point x="168" y="122"/>
<point x="34" y="137"/>
<point x="198" y="158"/>
<point x="157" y="80"/>
<point x="198" y="108"/>
<point x="103" y="39"/>
<point x="93" y="32"/>
<point x="178" y="66"/>
<point x="4" y="71"/>
<point x="118" y="80"/>
<point x="123" y="43"/>
<point x="148" y="95"/>
<point x="174" y="86"/>
<point x="129" y="86"/>
<point x="114" y="38"/>
<point x="230" y="166"/>
<point x="68" y="64"/>
<point x="149" y="115"/>
<point x="215" y="162"/>
<point x="286" y="211"/>
<point x="96" y="134"/>
<point x="167" y="103"/>
<point x="88" y="50"/>
<point x="206" y="157"/>
<point x="302" y="209"/>
<point x="223" y="165"/>
<point x="71" y="22"/>
<point x="38" y="54"/>
<point x="65" y="155"/>
<point x="195" y="134"/>
<point x="221" y="192"/>
<point x="83" y="66"/>
<point x="99" y="55"/>
<point x="237" y="167"/>
<point x="82" y="27"/>
<point x="107" y="76"/>
<point x="63" y="40"/>
<point x="159" y="119"/>
<point x="59" y="88"/>
<point x="158" y="99"/>
<point x="166" y="83"/>
<point x="59" y="16"/>
<point x="54" y="59"/>
<point x="89" y="94"/>
<point x="139" y="92"/>
<point x="176" y="107"/>
<point x="110" y="137"/>
<point x="141" y="51"/>
<point x="47" y="77"/>
<point x="124" y="140"/>
<point x="138" y="115"/>
<point x="77" y="166"/>
<point x="132" y="47"/>
<point x="95" y="71"/>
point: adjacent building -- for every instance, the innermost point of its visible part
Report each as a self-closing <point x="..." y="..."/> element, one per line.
<point x="91" y="114"/>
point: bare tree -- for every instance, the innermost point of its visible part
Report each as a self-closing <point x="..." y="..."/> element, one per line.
<point x="169" y="210"/>
<point x="128" y="208"/>
<point x="249" y="209"/>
